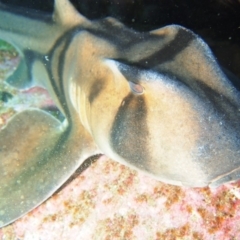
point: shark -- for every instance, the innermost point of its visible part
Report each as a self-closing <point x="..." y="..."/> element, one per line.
<point x="155" y="101"/>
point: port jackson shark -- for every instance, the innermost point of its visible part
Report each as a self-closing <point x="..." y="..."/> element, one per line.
<point x="155" y="101"/>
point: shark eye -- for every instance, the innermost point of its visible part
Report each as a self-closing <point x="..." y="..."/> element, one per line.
<point x="136" y="88"/>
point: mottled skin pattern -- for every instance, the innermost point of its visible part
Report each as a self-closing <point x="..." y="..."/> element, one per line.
<point x="155" y="101"/>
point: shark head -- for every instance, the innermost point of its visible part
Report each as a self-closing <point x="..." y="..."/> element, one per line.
<point x="157" y="102"/>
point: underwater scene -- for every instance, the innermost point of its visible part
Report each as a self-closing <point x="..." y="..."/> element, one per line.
<point x="121" y="128"/>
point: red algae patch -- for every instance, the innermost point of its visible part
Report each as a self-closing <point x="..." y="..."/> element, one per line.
<point x="117" y="227"/>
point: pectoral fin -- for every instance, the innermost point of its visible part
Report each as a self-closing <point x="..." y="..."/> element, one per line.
<point x="38" y="154"/>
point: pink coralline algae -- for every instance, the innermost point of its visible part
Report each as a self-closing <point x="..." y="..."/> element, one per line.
<point x="111" y="201"/>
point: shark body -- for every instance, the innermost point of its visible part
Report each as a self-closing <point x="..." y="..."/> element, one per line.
<point x="155" y="101"/>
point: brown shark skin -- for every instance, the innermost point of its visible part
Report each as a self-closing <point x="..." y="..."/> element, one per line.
<point x="172" y="66"/>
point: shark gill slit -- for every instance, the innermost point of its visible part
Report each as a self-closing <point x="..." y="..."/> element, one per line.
<point x="65" y="39"/>
<point x="62" y="43"/>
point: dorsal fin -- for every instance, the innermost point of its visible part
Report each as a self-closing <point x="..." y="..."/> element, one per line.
<point x="66" y="14"/>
